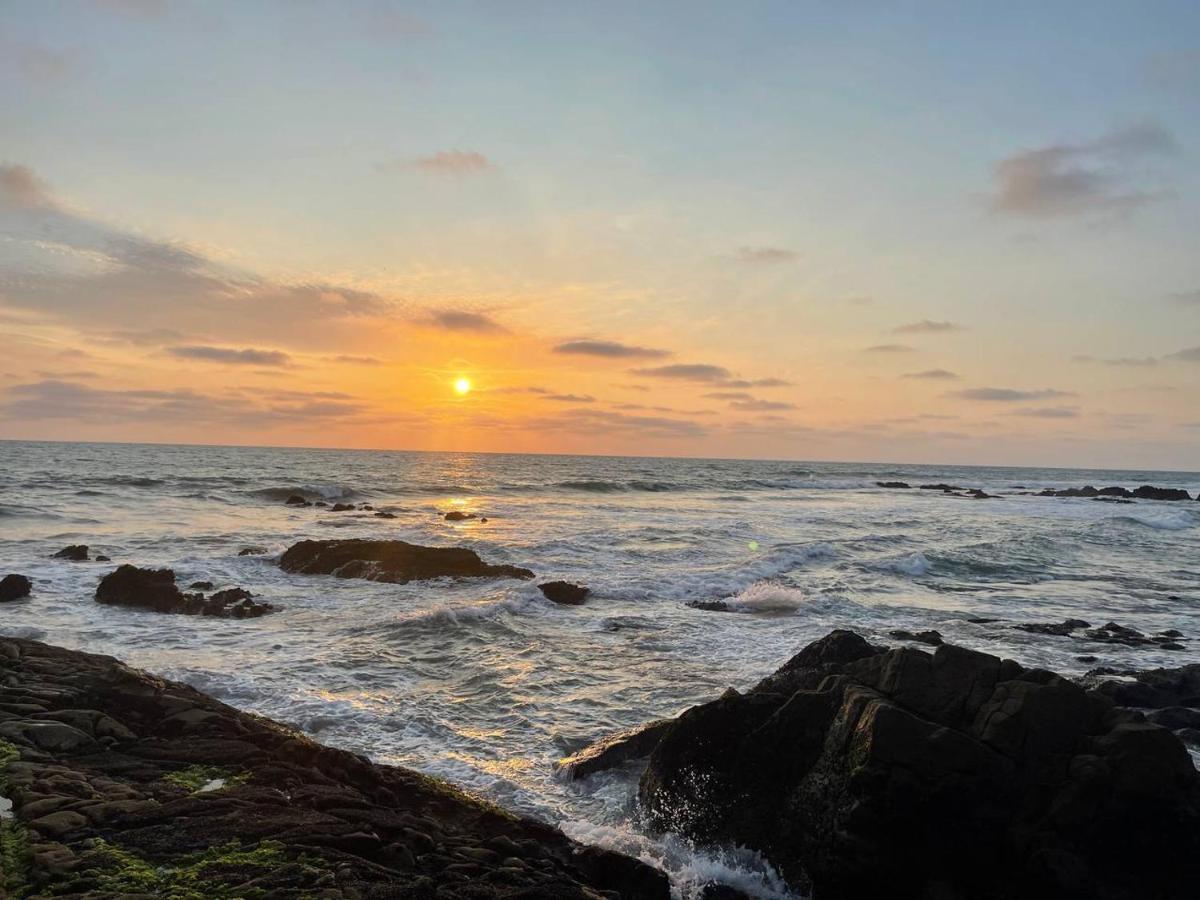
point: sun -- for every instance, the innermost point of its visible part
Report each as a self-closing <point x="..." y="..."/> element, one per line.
<point x="462" y="386"/>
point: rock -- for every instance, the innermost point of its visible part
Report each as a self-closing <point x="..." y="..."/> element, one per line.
<point x="292" y="819"/>
<point x="201" y="586"/>
<point x="14" y="587"/>
<point x="296" y="500"/>
<point x="714" y="891"/>
<point x="1061" y="629"/>
<point x="103" y="558"/>
<point x="342" y="507"/>
<point x="53" y="737"/>
<point x="612" y="751"/>
<point x="980" y="494"/>
<point x="75" y="553"/>
<point x="564" y="593"/>
<point x="1086" y="659"/>
<point x="944" y="488"/>
<point x="320" y="503"/>
<point x="1148" y="492"/>
<point x="1152" y="689"/>
<point x="862" y="772"/>
<point x="367" y="507"/>
<point x="933" y="638"/>
<point x="458" y="516"/>
<point x="385" y="515"/>
<point x="252" y="551"/>
<point x="483" y="519"/>
<point x="155" y="589"/>
<point x="1175" y="717"/>
<point x="893" y="484"/>
<point x="392" y="561"/>
<point x="709" y="605"/>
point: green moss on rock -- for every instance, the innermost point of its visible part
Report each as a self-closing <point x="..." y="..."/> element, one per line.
<point x="193" y="778"/>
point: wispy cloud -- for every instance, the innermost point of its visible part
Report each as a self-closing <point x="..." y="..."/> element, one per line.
<point x="1188" y="298"/>
<point x="687" y="372"/>
<point x="766" y="255"/>
<point x="245" y="357"/>
<point x="753" y="405"/>
<point x="1048" y="412"/>
<point x="1126" y="361"/>
<point x="610" y="350"/>
<point x="926" y="326"/>
<point x="461" y="320"/>
<point x="889" y="348"/>
<point x="1008" y="395"/>
<point x="570" y="398"/>
<point x="1098" y="176"/>
<point x="1191" y="354"/>
<point x="350" y="360"/>
<point x="729" y="395"/>
<point x="932" y="375"/>
<point x="454" y="163"/>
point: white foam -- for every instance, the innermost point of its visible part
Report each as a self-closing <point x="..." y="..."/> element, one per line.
<point x="768" y="597"/>
<point x="1163" y="520"/>
<point x="912" y="564"/>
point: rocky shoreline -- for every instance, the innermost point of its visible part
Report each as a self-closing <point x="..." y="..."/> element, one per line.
<point x="120" y="784"/>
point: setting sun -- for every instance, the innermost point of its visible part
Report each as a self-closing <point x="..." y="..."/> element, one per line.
<point x="462" y="386"/>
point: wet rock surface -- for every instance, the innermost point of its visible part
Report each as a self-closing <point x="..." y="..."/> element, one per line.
<point x="74" y="552"/>
<point x="614" y="750"/>
<point x="14" y="587"/>
<point x="864" y="772"/>
<point x="155" y="589"/>
<point x="126" y="785"/>
<point x="564" y="593"/>
<point x="397" y="562"/>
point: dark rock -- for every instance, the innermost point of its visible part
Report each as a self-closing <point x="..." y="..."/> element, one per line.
<point x="1153" y="688"/>
<point x="931" y="637"/>
<point x="1086" y="659"/>
<point x="944" y="488"/>
<point x="103" y="558"/>
<point x="709" y="605"/>
<point x="155" y="589"/>
<point x="612" y="751"/>
<point x="75" y="553"/>
<point x="392" y="561"/>
<point x="14" y="587"/>
<point x="458" y="516"/>
<point x="1060" y="629"/>
<point x="293" y="819"/>
<point x="201" y="586"/>
<point x="296" y="500"/>
<point x="367" y="507"/>
<point x="714" y="891"/>
<point x="1175" y="717"/>
<point x="981" y="621"/>
<point x="564" y="593"/>
<point x="385" y="515"/>
<point x="1149" y="492"/>
<point x="252" y="551"/>
<point x="342" y="507"/>
<point x="1190" y="736"/>
<point x="979" y="494"/>
<point x="859" y="772"/>
<point x="320" y="503"/>
<point x="483" y="519"/>
<point x="893" y="484"/>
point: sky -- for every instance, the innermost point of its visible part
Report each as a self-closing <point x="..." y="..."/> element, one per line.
<point x="913" y="232"/>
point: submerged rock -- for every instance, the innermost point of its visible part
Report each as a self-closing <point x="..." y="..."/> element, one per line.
<point x="128" y="785"/>
<point x="75" y="553"/>
<point x="1060" y="629"/>
<point x="296" y="500"/>
<point x="893" y="484"/>
<point x="14" y="587"/>
<point x="458" y="516"/>
<point x="155" y="589"/>
<point x="564" y="593"/>
<point x="385" y="515"/>
<point x="931" y="637"/>
<point x="860" y="772"/>
<point x="252" y="551"/>
<point x="393" y="561"/>
<point x="342" y="507"/>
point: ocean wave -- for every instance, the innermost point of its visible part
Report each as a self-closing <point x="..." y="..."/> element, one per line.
<point x="1161" y="520"/>
<point x="767" y="597"/>
<point x="912" y="564"/>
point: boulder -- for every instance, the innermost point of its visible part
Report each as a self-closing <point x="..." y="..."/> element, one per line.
<point x="392" y="561"/>
<point x="863" y="772"/>
<point x="155" y="589"/>
<point x="893" y="484"/>
<point x="342" y="507"/>
<point x="75" y="553"/>
<point x="252" y="551"/>
<point x="296" y="500"/>
<point x="931" y="637"/>
<point x="103" y="558"/>
<point x="1150" y="689"/>
<point x="14" y="587"/>
<point x="385" y="515"/>
<point x="564" y="593"/>
<point x="1149" y="492"/>
<point x="1060" y="629"/>
<point x="458" y="516"/>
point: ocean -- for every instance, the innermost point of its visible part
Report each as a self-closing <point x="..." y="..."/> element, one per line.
<point x="486" y="683"/>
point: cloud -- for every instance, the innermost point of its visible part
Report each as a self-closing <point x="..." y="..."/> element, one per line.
<point x="890" y="348"/>
<point x="603" y="422"/>
<point x="925" y="326"/>
<point x="1007" y="395"/>
<point x="1191" y="354"/>
<point x="570" y="398"/>
<point x="1048" y="412"/>
<point x="150" y="338"/>
<point x="246" y="357"/>
<point x="760" y="405"/>
<point x="454" y="163"/>
<point x="932" y="374"/>
<point x="461" y="320"/>
<point x="766" y="255"/>
<point x="687" y="372"/>
<point x="1188" y="298"/>
<point x="21" y="188"/>
<point x="757" y="383"/>
<point x="1099" y="176"/>
<point x="1139" y="361"/>
<point x="54" y="399"/>
<point x="356" y="360"/>
<point x="729" y="395"/>
<point x="610" y="349"/>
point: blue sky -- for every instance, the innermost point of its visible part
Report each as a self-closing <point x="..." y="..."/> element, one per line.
<point x="775" y="189"/>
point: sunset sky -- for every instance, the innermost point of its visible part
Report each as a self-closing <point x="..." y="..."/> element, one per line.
<point x="870" y="231"/>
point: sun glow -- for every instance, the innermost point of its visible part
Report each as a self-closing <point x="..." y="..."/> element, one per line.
<point x="462" y="386"/>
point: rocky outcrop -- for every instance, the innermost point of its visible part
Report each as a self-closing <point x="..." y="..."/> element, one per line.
<point x="895" y="485"/>
<point x="393" y="561"/>
<point x="564" y="593"/>
<point x="155" y="589"/>
<point x="74" y="552"/>
<point x="127" y="785"/>
<point x="297" y="500"/>
<point x="614" y="750"/>
<point x="458" y="516"/>
<point x="1145" y="492"/>
<point x="931" y="637"/>
<point x="860" y="772"/>
<point x="14" y="587"/>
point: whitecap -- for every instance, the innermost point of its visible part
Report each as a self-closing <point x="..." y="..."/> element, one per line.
<point x="912" y="564"/>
